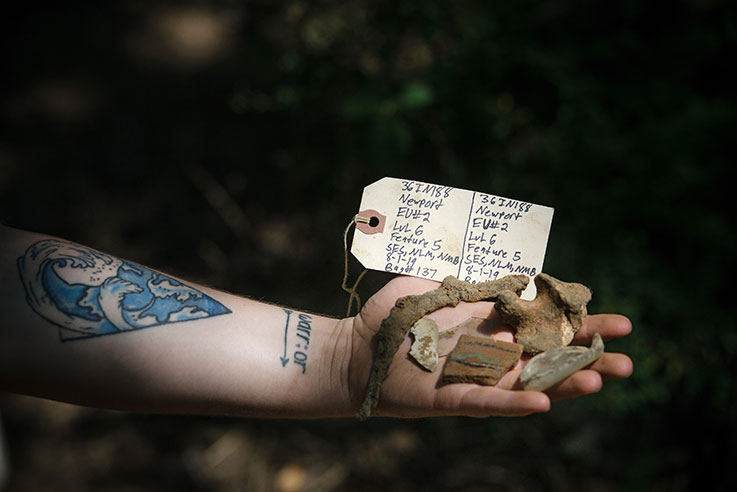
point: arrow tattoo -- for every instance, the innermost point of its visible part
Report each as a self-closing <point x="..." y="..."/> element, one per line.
<point x="284" y="358"/>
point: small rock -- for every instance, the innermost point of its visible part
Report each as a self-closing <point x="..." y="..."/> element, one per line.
<point x="480" y="360"/>
<point x="425" y="347"/>
<point x="553" y="366"/>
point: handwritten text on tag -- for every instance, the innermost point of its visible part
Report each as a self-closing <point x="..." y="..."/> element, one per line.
<point x="432" y="231"/>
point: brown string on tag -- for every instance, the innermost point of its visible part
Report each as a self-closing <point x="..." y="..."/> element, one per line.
<point x="352" y="290"/>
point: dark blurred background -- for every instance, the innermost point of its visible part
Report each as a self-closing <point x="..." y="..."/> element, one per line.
<point x="229" y="142"/>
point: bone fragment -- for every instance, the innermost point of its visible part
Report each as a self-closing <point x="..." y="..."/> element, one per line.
<point x="551" y="319"/>
<point x="425" y="347"/>
<point x="546" y="369"/>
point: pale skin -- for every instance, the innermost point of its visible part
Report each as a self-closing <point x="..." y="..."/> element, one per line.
<point x="233" y="363"/>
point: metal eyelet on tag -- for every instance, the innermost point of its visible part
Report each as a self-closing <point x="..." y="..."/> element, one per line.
<point x="375" y="224"/>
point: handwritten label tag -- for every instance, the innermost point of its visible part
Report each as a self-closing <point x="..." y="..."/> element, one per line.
<point x="432" y="231"/>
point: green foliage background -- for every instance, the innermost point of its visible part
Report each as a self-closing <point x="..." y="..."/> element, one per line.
<point x="229" y="142"/>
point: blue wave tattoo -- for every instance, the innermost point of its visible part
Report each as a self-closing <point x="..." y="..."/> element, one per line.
<point x="87" y="293"/>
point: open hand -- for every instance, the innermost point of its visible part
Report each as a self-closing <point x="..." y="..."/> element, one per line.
<point x="410" y="391"/>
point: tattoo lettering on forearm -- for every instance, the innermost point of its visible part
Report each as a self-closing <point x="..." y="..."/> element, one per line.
<point x="304" y="328"/>
<point x="87" y="293"/>
<point x="301" y="345"/>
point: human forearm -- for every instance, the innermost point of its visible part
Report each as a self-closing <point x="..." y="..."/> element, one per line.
<point x="84" y="327"/>
<point x="228" y="355"/>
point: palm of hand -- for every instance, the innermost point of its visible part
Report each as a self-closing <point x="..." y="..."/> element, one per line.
<point x="410" y="391"/>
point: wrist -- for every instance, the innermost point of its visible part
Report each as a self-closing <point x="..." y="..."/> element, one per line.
<point x="333" y="396"/>
<point x="304" y="370"/>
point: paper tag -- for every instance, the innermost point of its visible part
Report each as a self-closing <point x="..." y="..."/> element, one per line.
<point x="433" y="231"/>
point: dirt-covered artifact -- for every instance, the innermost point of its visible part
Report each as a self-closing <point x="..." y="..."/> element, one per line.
<point x="554" y="365"/>
<point x="407" y="310"/>
<point x="551" y="319"/>
<point x="480" y="360"/>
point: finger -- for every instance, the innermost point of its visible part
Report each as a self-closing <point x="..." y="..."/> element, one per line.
<point x="581" y="383"/>
<point x="613" y="366"/>
<point x="609" y="326"/>
<point x="483" y="401"/>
